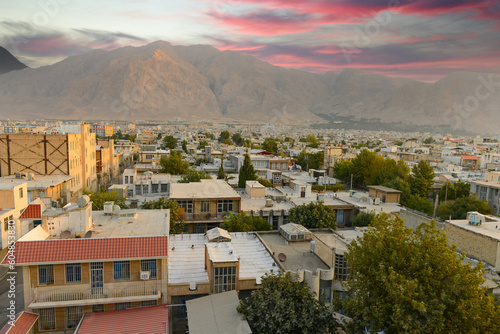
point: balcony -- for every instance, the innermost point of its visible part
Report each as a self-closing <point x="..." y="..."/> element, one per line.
<point x="69" y="296"/>
<point x="203" y="217"/>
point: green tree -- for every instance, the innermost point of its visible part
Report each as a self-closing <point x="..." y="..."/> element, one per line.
<point x="419" y="203"/>
<point x="224" y="135"/>
<point x="458" y="208"/>
<point x="448" y="192"/>
<point x="221" y="174"/>
<point x="99" y="197"/>
<point x="364" y="219"/>
<point x="184" y="146"/>
<point x="193" y="175"/>
<point x="265" y="182"/>
<point x="422" y="179"/>
<point x="238" y="139"/>
<point x="313" y="215"/>
<point x="429" y="141"/>
<point x="174" y="164"/>
<point x="405" y="281"/>
<point x="310" y="160"/>
<point x="177" y="223"/>
<point x="270" y="145"/>
<point x="462" y="188"/>
<point x="312" y="141"/>
<point x="240" y="222"/>
<point x="228" y="142"/>
<point x="342" y="170"/>
<point x="285" y="306"/>
<point x="247" y="172"/>
<point x="169" y="142"/>
<point x="202" y="144"/>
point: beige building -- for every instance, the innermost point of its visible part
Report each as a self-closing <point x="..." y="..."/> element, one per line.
<point x="13" y="199"/>
<point x="55" y="154"/>
<point x="478" y="236"/>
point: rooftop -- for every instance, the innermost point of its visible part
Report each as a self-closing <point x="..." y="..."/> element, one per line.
<point x="23" y="324"/>
<point x="38" y="182"/>
<point x="187" y="257"/>
<point x="203" y="190"/>
<point x="216" y="314"/>
<point x="143" y="223"/>
<point x="360" y="199"/>
<point x="489" y="228"/>
<point x="298" y="254"/>
<point x="150" y="320"/>
<point x="386" y="189"/>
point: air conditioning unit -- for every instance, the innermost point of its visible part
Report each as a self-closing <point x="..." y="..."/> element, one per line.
<point x="145" y="275"/>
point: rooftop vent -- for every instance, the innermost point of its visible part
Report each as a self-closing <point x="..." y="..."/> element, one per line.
<point x="108" y="207"/>
<point x="295" y="232"/>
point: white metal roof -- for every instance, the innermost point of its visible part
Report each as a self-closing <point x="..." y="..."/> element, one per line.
<point x="203" y="189"/>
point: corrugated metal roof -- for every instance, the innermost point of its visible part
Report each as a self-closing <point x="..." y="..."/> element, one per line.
<point x="142" y="320"/>
<point x="216" y="314"/>
<point x="23" y="324"/>
<point x="90" y="249"/>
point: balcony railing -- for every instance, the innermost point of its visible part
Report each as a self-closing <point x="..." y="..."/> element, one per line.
<point x="61" y="295"/>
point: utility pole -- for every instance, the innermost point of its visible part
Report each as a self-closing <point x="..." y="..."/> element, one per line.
<point x="351" y="181"/>
<point x="446" y="194"/>
<point x="436" y="205"/>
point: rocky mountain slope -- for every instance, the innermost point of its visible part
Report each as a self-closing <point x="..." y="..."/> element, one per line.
<point x="162" y="81"/>
<point x="8" y="62"/>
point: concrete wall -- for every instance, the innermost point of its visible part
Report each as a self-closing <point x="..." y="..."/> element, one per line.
<point x="413" y="219"/>
<point x="476" y="245"/>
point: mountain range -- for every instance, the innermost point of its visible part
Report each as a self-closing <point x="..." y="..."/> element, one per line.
<point x="160" y="81"/>
<point x="8" y="62"/>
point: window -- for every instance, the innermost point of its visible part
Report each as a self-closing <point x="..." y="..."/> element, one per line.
<point x="5" y="223"/>
<point x="73" y="273"/>
<point x="225" y="205"/>
<point x="276" y="220"/>
<point x="341" y="269"/>
<point x="325" y="291"/>
<point x="121" y="270"/>
<point x="149" y="265"/>
<point x="149" y="156"/>
<point x="131" y="179"/>
<point x="224" y="279"/>
<point x="186" y="205"/>
<point x="205" y="206"/>
<point x="21" y="194"/>
<point x="149" y="303"/>
<point x="73" y="316"/>
<point x="46" y="274"/>
<point x="122" y="306"/>
<point x="47" y="320"/>
<point x="126" y="179"/>
<point x="98" y="308"/>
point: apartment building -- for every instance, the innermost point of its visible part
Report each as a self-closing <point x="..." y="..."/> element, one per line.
<point x="489" y="191"/>
<point x="205" y="203"/>
<point x="263" y="162"/>
<point x="13" y="199"/>
<point x="77" y="264"/>
<point x="146" y="184"/>
<point x="70" y="154"/>
<point x="107" y="162"/>
<point x="102" y="130"/>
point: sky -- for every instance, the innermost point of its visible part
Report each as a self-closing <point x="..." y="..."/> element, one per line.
<point x="419" y="39"/>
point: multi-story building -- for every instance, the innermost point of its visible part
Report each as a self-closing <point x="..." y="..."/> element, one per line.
<point x="78" y="263"/>
<point x="205" y="203"/>
<point x="107" y="167"/>
<point x="489" y="191"/>
<point x="102" y="130"/>
<point x="13" y="199"/>
<point x="70" y="154"/>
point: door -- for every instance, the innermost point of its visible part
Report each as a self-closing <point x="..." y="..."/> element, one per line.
<point x="96" y="278"/>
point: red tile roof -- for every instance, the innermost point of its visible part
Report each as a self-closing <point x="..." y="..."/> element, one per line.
<point x="82" y="250"/>
<point x="23" y="324"/>
<point x="142" y="320"/>
<point x="32" y="211"/>
<point x="469" y="157"/>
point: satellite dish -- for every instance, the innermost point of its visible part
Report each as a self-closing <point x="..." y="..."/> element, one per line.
<point x="88" y="234"/>
<point x="282" y="257"/>
<point x="65" y="234"/>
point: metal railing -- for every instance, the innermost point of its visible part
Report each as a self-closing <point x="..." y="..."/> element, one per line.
<point x="61" y="295"/>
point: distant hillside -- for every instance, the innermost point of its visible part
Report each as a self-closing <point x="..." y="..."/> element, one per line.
<point x="8" y="62"/>
<point x="161" y="81"/>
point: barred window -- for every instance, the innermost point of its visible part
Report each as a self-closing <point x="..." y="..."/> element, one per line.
<point x="224" y="205"/>
<point x="205" y="206"/>
<point x="73" y="273"/>
<point x="122" y="306"/>
<point x="47" y="320"/>
<point x="73" y="316"/>
<point x="149" y="303"/>
<point x="341" y="268"/>
<point x="224" y="279"/>
<point x="121" y="270"/>
<point x="149" y="265"/>
<point x="46" y="274"/>
<point x="5" y="223"/>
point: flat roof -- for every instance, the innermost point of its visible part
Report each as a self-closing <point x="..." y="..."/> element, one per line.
<point x="329" y="199"/>
<point x="216" y="314"/>
<point x="298" y="254"/>
<point x="186" y="262"/>
<point x="203" y="190"/>
<point x="39" y="181"/>
<point x="143" y="223"/>
<point x="257" y="204"/>
<point x="385" y="189"/>
<point x="487" y="184"/>
<point x="221" y="252"/>
<point x="361" y="200"/>
<point x="490" y="229"/>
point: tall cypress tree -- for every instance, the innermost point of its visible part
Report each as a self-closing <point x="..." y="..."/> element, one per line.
<point x="247" y="172"/>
